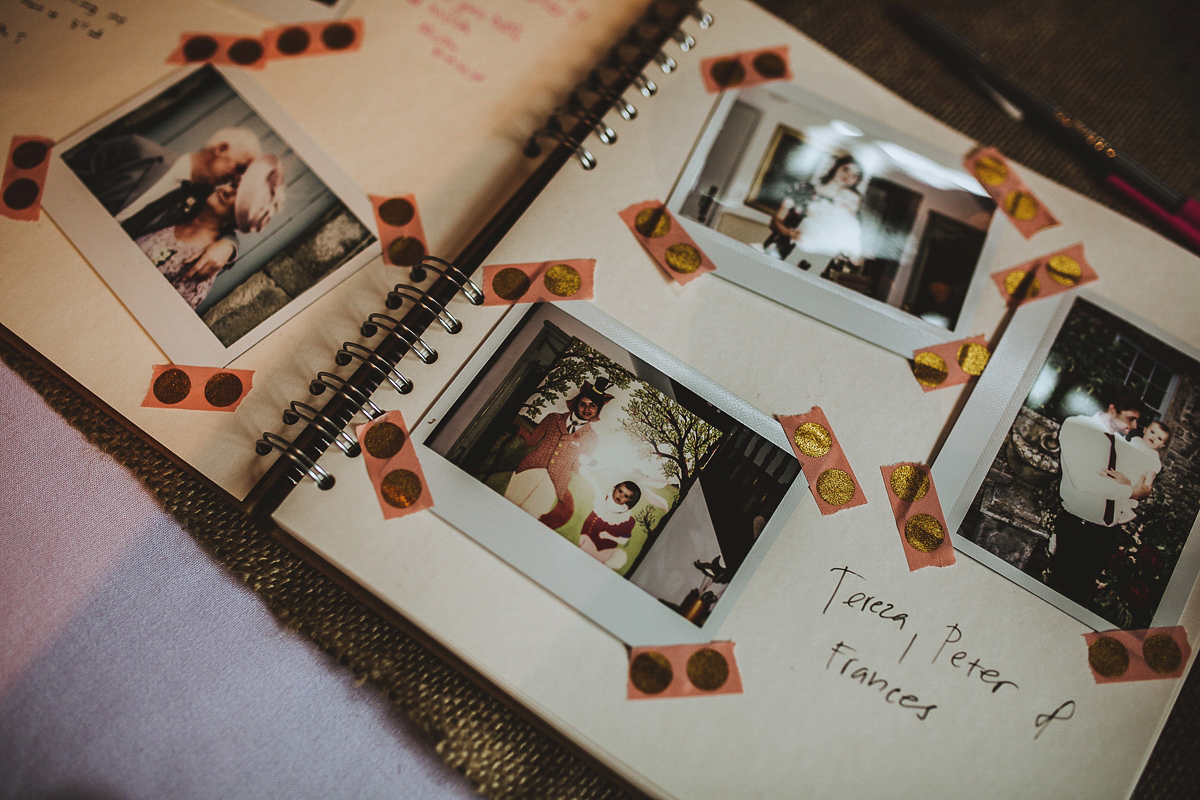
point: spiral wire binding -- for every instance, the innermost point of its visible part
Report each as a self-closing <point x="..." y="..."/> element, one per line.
<point x="581" y="116"/>
<point x="273" y="441"/>
<point x="328" y="380"/>
<point x="298" y="411"/>
<point x="375" y="362"/>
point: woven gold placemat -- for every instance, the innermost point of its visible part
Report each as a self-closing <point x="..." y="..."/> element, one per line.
<point x="1131" y="66"/>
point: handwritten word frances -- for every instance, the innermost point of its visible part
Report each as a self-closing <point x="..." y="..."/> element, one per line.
<point x="870" y="678"/>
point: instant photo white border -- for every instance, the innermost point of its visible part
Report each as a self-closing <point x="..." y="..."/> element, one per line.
<point x="865" y="317"/>
<point x="291" y="11"/>
<point x="166" y="316"/>
<point x="591" y="588"/>
<point x="986" y="419"/>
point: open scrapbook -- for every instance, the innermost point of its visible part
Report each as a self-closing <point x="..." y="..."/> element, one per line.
<point x="609" y="475"/>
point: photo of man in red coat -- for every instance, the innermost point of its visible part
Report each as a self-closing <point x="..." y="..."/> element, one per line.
<point x="539" y="484"/>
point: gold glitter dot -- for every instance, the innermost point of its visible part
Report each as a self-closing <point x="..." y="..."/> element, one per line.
<point x="924" y="532"/>
<point x="973" y="357"/>
<point x="650" y="672"/>
<point x="172" y="386"/>
<point x="1012" y="283"/>
<point x="1064" y="270"/>
<point x="991" y="171"/>
<point x="835" y="487"/>
<point x="401" y="488"/>
<point x="384" y="439"/>
<point x="396" y="211"/>
<point x="909" y="483"/>
<point x="223" y="389"/>
<point x="510" y="284"/>
<point x="562" y="280"/>
<point x="1021" y="205"/>
<point x="929" y="369"/>
<point x="1108" y="657"/>
<point x="707" y="669"/>
<point x="652" y="222"/>
<point x="770" y="65"/>
<point x="406" y="251"/>
<point x="812" y="439"/>
<point x="1162" y="653"/>
<point x="683" y="258"/>
<point x="727" y="72"/>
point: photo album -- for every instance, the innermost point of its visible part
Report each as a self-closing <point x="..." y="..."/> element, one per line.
<point x="658" y="510"/>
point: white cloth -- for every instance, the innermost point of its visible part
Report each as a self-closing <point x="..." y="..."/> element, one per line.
<point x="831" y="227"/>
<point x="1085" y="453"/>
<point x="1145" y="464"/>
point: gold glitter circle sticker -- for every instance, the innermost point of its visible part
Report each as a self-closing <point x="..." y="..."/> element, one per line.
<point x="1108" y="657"/>
<point x="683" y="258"/>
<point x="1021" y="205"/>
<point x="406" y="251"/>
<point x="1162" y="653"/>
<point x="812" y="440"/>
<point x="835" y="487"/>
<point x="1064" y="270"/>
<point x="924" y="532"/>
<point x="400" y="488"/>
<point x="510" y="284"/>
<point x="1012" y="283"/>
<point x="707" y="669"/>
<point x="909" y="483"/>
<point x="396" y="211"/>
<point x="727" y="72"/>
<point x="172" y="386"/>
<point x="991" y="171"/>
<point x="973" y="357"/>
<point x="223" y="389"/>
<point x="650" y="672"/>
<point x="929" y="369"/>
<point x="384" y="439"/>
<point x="652" y="222"/>
<point x="770" y="65"/>
<point x="562" y="280"/>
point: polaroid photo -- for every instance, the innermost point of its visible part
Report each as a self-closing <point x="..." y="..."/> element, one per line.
<point x="288" y="11"/>
<point x="209" y="213"/>
<point x="838" y="217"/>
<point x="1072" y="470"/>
<point x="608" y="472"/>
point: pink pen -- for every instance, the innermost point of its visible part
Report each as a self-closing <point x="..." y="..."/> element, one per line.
<point x="1185" y="224"/>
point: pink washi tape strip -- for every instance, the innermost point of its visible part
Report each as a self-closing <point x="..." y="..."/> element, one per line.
<point x="744" y="69"/>
<point x="506" y="284"/>
<point x="683" y="670"/>
<point x="1001" y="181"/>
<point x="198" y="388"/>
<point x="666" y="240"/>
<point x="227" y="49"/>
<point x="392" y="465"/>
<point x="313" y="39"/>
<point x="25" y="177"/>
<point x="1148" y="655"/>
<point x="919" y="516"/>
<point x="950" y="363"/>
<point x="400" y="231"/>
<point x="1045" y="276"/>
<point x="830" y="478"/>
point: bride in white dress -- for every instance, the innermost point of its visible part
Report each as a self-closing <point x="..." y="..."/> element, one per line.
<point x="830" y="226"/>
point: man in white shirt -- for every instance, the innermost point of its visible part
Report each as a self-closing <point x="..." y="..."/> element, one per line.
<point x="1094" y="486"/>
<point x="134" y="176"/>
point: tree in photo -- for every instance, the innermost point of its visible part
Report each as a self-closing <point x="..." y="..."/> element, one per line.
<point x="577" y="364"/>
